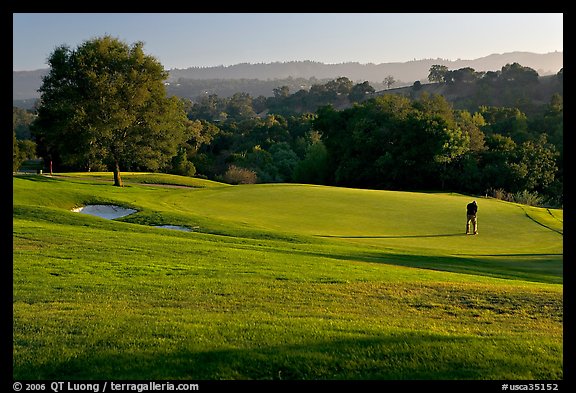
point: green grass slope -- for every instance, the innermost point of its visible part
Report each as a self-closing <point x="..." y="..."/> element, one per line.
<point x="280" y="282"/>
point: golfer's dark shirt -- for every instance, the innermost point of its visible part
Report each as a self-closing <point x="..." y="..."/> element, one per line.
<point x="471" y="209"/>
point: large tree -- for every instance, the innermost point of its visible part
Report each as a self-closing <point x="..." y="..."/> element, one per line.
<point x="389" y="81"/>
<point x="438" y="73"/>
<point x="104" y="103"/>
<point x="360" y="91"/>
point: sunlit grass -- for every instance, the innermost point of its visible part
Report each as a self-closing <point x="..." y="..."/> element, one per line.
<point x="270" y="288"/>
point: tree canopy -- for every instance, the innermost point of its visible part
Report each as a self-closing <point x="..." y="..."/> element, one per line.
<point x="104" y="104"/>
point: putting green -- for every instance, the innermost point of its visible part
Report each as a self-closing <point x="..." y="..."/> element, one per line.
<point x="387" y="219"/>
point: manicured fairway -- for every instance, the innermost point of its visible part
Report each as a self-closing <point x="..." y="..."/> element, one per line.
<point x="280" y="281"/>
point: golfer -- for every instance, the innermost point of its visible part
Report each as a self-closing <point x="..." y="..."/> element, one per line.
<point x="471" y="210"/>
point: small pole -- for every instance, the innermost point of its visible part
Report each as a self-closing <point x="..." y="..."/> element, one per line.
<point x="50" y="167"/>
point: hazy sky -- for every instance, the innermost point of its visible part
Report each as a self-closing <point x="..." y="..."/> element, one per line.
<point x="209" y="39"/>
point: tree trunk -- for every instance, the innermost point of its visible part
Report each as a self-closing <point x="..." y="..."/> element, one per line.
<point x="117" y="178"/>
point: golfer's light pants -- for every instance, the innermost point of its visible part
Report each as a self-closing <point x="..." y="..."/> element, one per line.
<point x="471" y="218"/>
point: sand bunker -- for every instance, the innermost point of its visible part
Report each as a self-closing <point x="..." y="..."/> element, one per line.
<point x="105" y="211"/>
<point x="113" y="211"/>
<point x="175" y="227"/>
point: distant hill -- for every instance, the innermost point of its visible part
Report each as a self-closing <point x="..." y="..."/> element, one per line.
<point x="544" y="64"/>
<point x="26" y="83"/>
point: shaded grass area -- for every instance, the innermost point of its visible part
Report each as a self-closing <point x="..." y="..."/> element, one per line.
<point x="406" y="356"/>
<point x="143" y="178"/>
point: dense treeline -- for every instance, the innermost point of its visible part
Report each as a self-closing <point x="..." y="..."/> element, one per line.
<point x="337" y="134"/>
<point x="396" y="143"/>
<point x="513" y="86"/>
<point x="340" y="92"/>
<point x="194" y="88"/>
<point x="23" y="147"/>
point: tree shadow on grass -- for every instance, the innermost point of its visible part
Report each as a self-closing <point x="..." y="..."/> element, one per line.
<point x="39" y="178"/>
<point x="538" y="267"/>
<point x="65" y="179"/>
<point x="408" y="356"/>
<point x="545" y="268"/>
<point x="394" y="236"/>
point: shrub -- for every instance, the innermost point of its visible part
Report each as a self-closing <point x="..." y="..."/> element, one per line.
<point x="181" y="166"/>
<point x="528" y="198"/>
<point x="238" y="175"/>
<point x="501" y="194"/>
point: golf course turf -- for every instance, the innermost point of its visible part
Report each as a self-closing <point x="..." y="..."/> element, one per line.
<point x="280" y="281"/>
